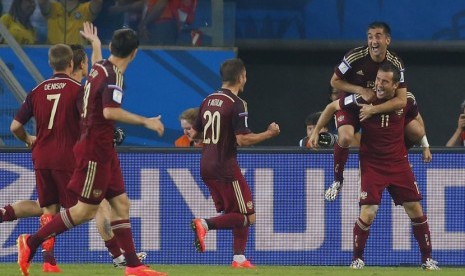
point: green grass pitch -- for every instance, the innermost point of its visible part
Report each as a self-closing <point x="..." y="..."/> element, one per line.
<point x="11" y="269"/>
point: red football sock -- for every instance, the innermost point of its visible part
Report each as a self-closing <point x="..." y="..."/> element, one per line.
<point x="422" y="235"/>
<point x="113" y="247"/>
<point x="227" y="221"/>
<point x="48" y="257"/>
<point x="361" y="232"/>
<point x="240" y="236"/>
<point x="59" y="224"/>
<point x="123" y="234"/>
<point x="8" y="214"/>
<point x="340" y="160"/>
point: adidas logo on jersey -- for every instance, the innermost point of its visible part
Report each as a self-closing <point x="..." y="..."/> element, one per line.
<point x="360" y="73"/>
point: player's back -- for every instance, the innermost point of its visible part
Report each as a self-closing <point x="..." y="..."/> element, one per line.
<point x="54" y="107"/>
<point x="218" y="116"/>
<point x="103" y="89"/>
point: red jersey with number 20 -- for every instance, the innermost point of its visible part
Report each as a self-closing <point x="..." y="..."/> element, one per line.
<point x="103" y="89"/>
<point x="53" y="104"/>
<point x="222" y="115"/>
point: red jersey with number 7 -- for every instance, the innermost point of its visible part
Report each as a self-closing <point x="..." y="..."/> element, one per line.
<point x="54" y="105"/>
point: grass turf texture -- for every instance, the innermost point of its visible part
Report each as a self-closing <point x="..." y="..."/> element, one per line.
<point x="11" y="269"/>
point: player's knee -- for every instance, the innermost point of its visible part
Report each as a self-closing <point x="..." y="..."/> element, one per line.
<point x="345" y="140"/>
<point x="368" y="213"/>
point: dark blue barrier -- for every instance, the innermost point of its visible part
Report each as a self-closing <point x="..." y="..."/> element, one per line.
<point x="294" y="225"/>
<point x="348" y="19"/>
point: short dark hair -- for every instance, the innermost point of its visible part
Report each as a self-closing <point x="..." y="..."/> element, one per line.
<point x="79" y="55"/>
<point x="312" y="119"/>
<point x="231" y="69"/>
<point x="389" y="67"/>
<point x="124" y="42"/>
<point x="60" y="56"/>
<point x="382" y="25"/>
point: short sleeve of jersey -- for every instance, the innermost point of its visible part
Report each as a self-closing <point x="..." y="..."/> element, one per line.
<point x="350" y="102"/>
<point x="344" y="66"/>
<point x="112" y="96"/>
<point x="112" y="92"/>
<point x="25" y="112"/>
<point x="411" y="108"/>
<point x="240" y="117"/>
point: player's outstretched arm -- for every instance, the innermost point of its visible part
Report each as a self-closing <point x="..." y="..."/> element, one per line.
<point x="255" y="138"/>
<point x="89" y="32"/>
<point x="396" y="103"/>
<point x="121" y="115"/>
<point x="342" y="85"/>
<point x="323" y="121"/>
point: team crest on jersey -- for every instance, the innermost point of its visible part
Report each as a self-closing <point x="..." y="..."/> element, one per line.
<point x="96" y="193"/>
<point x="399" y="112"/>
<point x="250" y="205"/>
<point x="363" y="195"/>
<point x="340" y="118"/>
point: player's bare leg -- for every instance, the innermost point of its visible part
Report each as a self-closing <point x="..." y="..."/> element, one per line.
<point x="20" y="209"/>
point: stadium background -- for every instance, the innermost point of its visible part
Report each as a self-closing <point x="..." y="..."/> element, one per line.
<point x="294" y="224"/>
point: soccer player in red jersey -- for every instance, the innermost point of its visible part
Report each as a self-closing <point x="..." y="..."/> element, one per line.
<point x="97" y="174"/>
<point x="32" y="208"/>
<point x="223" y="121"/>
<point x="53" y="105"/>
<point x="356" y="74"/>
<point x="383" y="165"/>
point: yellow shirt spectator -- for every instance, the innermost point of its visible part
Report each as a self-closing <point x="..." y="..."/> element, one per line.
<point x="63" y="26"/>
<point x="21" y="33"/>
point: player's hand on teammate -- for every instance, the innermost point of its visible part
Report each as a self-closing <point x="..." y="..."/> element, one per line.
<point x="89" y="32"/>
<point x="155" y="124"/>
<point x="366" y="112"/>
<point x="273" y="129"/>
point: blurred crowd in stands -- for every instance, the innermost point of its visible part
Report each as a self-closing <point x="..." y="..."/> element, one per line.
<point x="158" y="22"/>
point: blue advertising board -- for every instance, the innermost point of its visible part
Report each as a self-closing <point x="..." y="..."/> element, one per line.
<point x="295" y="226"/>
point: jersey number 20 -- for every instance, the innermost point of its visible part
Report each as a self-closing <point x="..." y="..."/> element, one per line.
<point x="213" y="122"/>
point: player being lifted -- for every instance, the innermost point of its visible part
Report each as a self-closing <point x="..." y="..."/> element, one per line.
<point x="383" y="165"/>
<point x="356" y="74"/>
